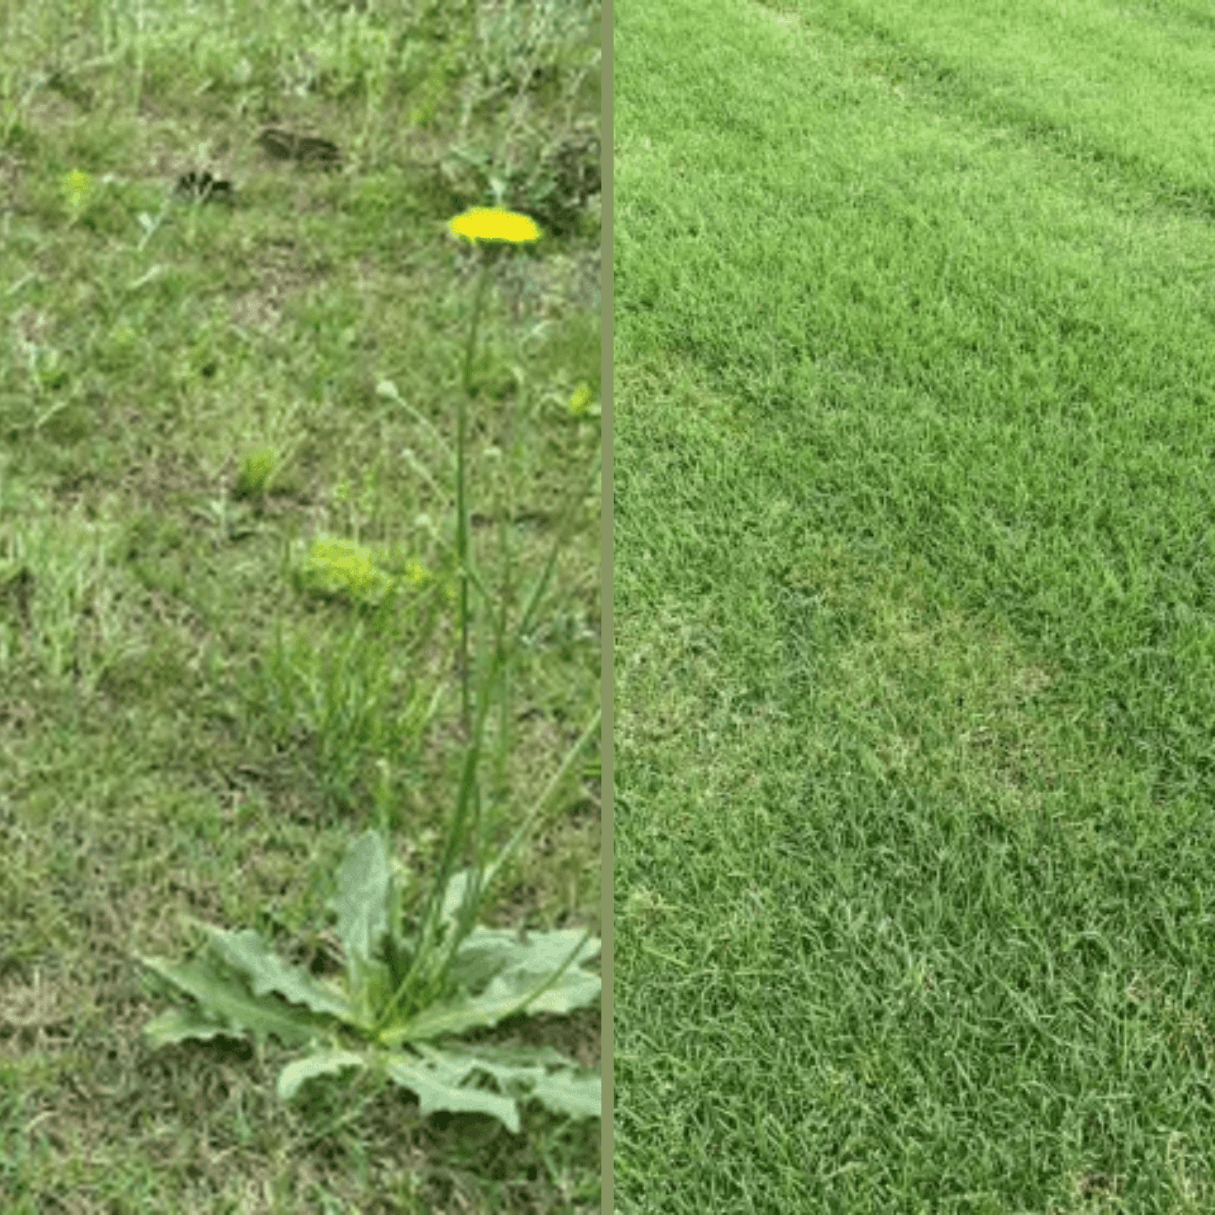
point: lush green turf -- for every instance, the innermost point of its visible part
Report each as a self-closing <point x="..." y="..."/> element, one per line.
<point x="187" y="723"/>
<point x="915" y="670"/>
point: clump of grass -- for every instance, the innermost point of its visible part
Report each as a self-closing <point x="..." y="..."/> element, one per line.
<point x="78" y="190"/>
<point x="256" y="471"/>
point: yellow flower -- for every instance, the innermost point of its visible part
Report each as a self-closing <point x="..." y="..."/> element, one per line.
<point x="488" y="223"/>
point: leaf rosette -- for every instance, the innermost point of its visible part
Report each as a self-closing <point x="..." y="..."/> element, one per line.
<point x="403" y="1001"/>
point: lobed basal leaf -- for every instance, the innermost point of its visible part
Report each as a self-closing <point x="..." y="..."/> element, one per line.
<point x="247" y="952"/>
<point x="227" y="1007"/>
<point x="319" y="1063"/>
<point x="440" y="1078"/>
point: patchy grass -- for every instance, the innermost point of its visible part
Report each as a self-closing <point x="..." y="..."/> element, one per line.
<point x="208" y="398"/>
<point x="913" y="822"/>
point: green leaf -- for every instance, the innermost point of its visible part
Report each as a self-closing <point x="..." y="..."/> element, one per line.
<point x="485" y="952"/>
<point x="578" y="1094"/>
<point x="245" y="951"/>
<point x="367" y="914"/>
<point x="178" y="1024"/>
<point x="440" y="1078"/>
<point x="574" y="989"/>
<point x="227" y="1006"/>
<point x="569" y="1090"/>
<point x="320" y="1063"/>
<point x="438" y="1083"/>
<point x="362" y="903"/>
<point x="454" y="895"/>
<point x="520" y="1056"/>
<point x="519" y="968"/>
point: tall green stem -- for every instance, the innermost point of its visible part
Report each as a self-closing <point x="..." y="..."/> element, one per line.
<point x="461" y="501"/>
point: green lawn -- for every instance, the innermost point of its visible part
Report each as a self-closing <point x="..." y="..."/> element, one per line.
<point x="192" y="395"/>
<point x="915" y="582"/>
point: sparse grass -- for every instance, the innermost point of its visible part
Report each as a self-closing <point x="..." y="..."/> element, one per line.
<point x="915" y="674"/>
<point x="209" y="413"/>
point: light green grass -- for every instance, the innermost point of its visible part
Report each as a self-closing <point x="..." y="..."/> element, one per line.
<point x="915" y="670"/>
<point x="196" y="718"/>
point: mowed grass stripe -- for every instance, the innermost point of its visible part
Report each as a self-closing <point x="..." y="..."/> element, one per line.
<point x="912" y="577"/>
<point x="1115" y="83"/>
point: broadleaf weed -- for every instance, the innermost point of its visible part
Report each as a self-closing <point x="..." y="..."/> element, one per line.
<point x="406" y="997"/>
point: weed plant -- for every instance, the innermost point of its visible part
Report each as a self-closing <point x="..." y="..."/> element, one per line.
<point x="450" y="976"/>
